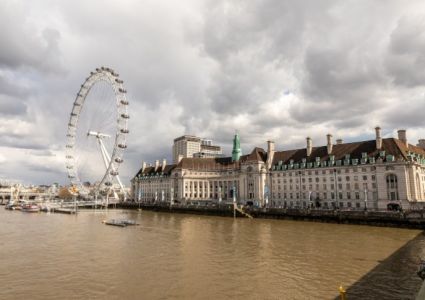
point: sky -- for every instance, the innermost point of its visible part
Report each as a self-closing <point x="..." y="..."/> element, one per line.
<point x="277" y="70"/>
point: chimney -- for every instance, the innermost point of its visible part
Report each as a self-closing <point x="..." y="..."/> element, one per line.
<point x="329" y="140"/>
<point x="164" y="163"/>
<point x="270" y="153"/>
<point x="378" y="138"/>
<point x="339" y="141"/>
<point x="421" y="143"/>
<point x="156" y="165"/>
<point x="402" y="136"/>
<point x="143" y="166"/>
<point x="309" y="146"/>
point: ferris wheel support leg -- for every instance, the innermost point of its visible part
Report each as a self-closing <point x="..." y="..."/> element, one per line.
<point x="105" y="156"/>
<point x="107" y="160"/>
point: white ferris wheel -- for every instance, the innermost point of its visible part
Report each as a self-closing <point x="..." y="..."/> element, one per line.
<point x="97" y="131"/>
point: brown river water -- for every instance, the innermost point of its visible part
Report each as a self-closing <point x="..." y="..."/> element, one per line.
<point x="177" y="256"/>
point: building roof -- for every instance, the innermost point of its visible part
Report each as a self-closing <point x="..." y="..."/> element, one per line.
<point x="209" y="163"/>
<point x="391" y="146"/>
<point x="151" y="170"/>
<point x="190" y="138"/>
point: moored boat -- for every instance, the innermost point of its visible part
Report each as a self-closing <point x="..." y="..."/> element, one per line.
<point x="30" y="208"/>
<point x="120" y="223"/>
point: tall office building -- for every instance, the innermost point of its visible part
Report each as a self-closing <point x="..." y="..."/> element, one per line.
<point x="188" y="146"/>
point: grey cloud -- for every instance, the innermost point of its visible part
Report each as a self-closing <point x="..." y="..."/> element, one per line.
<point x="24" y="45"/>
<point x="406" y="59"/>
<point x="12" y="106"/>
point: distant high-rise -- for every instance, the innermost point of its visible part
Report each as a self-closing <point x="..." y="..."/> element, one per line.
<point x="188" y="146"/>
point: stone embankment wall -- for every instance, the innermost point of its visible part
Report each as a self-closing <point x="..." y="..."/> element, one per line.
<point x="405" y="219"/>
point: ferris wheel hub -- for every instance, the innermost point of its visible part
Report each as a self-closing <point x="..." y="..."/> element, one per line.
<point x="99" y="135"/>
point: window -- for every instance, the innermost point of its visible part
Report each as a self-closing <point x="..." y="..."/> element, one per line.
<point x="364" y="177"/>
<point x="348" y="195"/>
<point x="357" y="195"/>
<point x="317" y="179"/>
<point x="347" y="170"/>
<point x="339" y="179"/>
<point x="340" y="195"/>
<point x="340" y="186"/>
<point x="347" y="178"/>
<point x="392" y="187"/>
<point x="324" y="186"/>
<point x="332" y="195"/>
<point x="347" y="186"/>
<point x="364" y="169"/>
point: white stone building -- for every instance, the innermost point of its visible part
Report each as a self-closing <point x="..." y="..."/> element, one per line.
<point x="376" y="174"/>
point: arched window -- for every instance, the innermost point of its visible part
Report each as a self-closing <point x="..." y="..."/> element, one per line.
<point x="392" y="187"/>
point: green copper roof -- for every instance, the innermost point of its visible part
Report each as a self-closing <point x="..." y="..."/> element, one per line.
<point x="236" y="152"/>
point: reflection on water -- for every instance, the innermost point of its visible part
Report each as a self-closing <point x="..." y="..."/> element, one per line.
<point x="51" y="256"/>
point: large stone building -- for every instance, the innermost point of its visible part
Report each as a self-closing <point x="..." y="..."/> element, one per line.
<point x="377" y="174"/>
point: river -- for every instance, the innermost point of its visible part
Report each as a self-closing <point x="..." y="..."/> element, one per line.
<point x="177" y="256"/>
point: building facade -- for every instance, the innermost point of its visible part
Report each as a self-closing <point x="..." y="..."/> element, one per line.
<point x="374" y="174"/>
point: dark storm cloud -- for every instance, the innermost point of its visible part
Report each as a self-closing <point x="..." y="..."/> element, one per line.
<point x="267" y="69"/>
<point x="22" y="44"/>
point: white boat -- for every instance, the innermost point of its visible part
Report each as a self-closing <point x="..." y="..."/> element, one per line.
<point x="30" y="208"/>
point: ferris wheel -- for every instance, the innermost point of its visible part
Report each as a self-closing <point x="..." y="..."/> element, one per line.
<point x="97" y="131"/>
